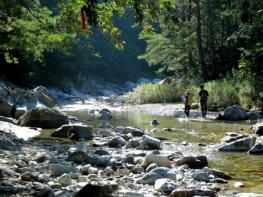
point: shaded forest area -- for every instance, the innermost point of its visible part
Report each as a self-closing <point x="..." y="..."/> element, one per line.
<point x="195" y="41"/>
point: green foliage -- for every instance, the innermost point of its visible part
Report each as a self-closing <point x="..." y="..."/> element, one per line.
<point x="155" y="93"/>
<point x="231" y="91"/>
<point x="29" y="29"/>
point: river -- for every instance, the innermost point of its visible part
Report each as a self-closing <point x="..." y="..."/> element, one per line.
<point x="201" y="138"/>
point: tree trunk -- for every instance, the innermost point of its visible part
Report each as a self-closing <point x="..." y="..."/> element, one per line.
<point x="199" y="42"/>
<point x="211" y="43"/>
<point x="189" y="17"/>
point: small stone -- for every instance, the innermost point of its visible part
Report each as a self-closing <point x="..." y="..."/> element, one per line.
<point x="64" y="180"/>
<point x="108" y="171"/>
<point x="93" y="170"/>
<point x="238" y="184"/>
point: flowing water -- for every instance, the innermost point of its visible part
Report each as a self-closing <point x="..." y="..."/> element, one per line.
<point x="243" y="167"/>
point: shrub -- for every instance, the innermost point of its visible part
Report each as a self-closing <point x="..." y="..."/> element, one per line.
<point x="155" y="93"/>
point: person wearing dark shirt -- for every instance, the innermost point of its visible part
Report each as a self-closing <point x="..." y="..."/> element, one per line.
<point x="203" y="94"/>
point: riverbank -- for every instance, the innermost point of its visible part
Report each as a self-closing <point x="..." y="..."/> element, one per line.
<point x="158" y="109"/>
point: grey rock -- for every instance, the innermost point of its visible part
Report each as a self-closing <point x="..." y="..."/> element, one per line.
<point x="98" y="160"/>
<point x="258" y="128"/>
<point x="7" y="144"/>
<point x="77" y="131"/>
<point x="134" y="131"/>
<point x="104" y="133"/>
<point x="101" y="152"/>
<point x="105" y="125"/>
<point x="8" y="119"/>
<point x="157" y="173"/>
<point x="165" y="185"/>
<point x="98" y="189"/>
<point x="6" y="109"/>
<point x="138" y="169"/>
<point x="192" y="192"/>
<point x="117" y="142"/>
<point x="239" y="145"/>
<point x="256" y="149"/>
<point x="201" y="175"/>
<point x="43" y="118"/>
<point x="193" y="162"/>
<point x="151" y="143"/>
<point x="134" y="143"/>
<point x="104" y="114"/>
<point x="253" y="116"/>
<point x="217" y="173"/>
<point x="160" y="160"/>
<point x="59" y="169"/>
<point x="45" y="192"/>
<point x="64" y="179"/>
<point x="78" y="156"/>
<point x="234" y="113"/>
<point x="44" y="96"/>
<point x="151" y="167"/>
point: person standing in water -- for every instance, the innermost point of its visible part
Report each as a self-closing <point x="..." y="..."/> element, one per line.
<point x="187" y="98"/>
<point x="203" y="94"/>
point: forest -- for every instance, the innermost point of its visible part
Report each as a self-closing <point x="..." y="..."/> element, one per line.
<point x="192" y="41"/>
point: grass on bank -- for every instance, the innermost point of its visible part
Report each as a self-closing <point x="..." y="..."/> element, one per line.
<point x="224" y="93"/>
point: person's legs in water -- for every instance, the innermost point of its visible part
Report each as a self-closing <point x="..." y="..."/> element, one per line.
<point x="203" y="107"/>
<point x="187" y="110"/>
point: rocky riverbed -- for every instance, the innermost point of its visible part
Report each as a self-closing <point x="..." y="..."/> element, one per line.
<point x="125" y="161"/>
<point x="102" y="161"/>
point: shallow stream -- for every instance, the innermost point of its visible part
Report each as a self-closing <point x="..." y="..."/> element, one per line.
<point x="243" y="167"/>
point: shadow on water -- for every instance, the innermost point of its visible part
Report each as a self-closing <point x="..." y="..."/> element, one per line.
<point x="243" y="167"/>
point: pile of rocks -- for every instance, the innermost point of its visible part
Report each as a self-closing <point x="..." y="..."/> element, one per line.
<point x="14" y="102"/>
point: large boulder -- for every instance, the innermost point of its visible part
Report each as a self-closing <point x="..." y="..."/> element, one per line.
<point x="193" y="162"/>
<point x="157" y="173"/>
<point x="258" y="128"/>
<point x="160" y="160"/>
<point x="77" y="131"/>
<point x="234" y="113"/>
<point x="44" y="96"/>
<point x="243" y="144"/>
<point x="98" y="189"/>
<point x="43" y="118"/>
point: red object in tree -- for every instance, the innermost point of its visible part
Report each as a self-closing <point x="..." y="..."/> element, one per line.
<point x="83" y="20"/>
